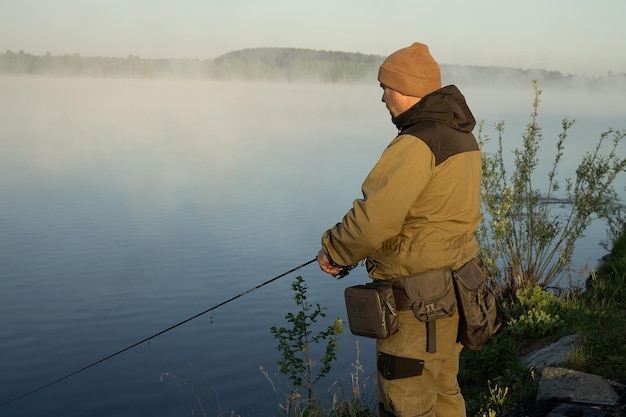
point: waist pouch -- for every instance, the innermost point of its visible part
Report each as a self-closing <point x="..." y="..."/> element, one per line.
<point x="371" y="309"/>
<point x="430" y="295"/>
<point x="478" y="318"/>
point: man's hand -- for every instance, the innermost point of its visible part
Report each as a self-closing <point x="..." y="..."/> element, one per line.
<point x="324" y="262"/>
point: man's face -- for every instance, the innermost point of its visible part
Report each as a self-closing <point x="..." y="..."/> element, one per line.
<point x="396" y="102"/>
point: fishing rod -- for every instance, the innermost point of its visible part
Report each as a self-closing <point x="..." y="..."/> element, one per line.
<point x="156" y="334"/>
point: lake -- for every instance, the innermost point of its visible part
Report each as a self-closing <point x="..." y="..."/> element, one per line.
<point x="127" y="206"/>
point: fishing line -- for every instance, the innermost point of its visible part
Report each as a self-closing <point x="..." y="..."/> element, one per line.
<point x="215" y="307"/>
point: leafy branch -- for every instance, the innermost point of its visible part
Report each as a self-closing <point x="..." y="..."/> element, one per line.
<point x="295" y="343"/>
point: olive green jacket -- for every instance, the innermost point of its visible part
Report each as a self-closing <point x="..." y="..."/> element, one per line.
<point x="421" y="201"/>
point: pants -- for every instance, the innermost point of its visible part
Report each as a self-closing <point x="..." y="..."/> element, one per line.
<point x="436" y="391"/>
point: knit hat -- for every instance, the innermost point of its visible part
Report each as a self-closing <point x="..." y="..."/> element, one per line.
<point x="411" y="71"/>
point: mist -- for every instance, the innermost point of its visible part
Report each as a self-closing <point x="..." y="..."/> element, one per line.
<point x="176" y="132"/>
<point x="161" y="145"/>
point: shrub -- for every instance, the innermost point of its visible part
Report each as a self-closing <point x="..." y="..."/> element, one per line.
<point x="523" y="243"/>
<point x="295" y="342"/>
<point x="534" y="314"/>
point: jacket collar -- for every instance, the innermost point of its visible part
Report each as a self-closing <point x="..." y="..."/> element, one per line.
<point x="446" y="105"/>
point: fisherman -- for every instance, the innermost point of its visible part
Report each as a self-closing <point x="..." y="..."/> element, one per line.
<point x="419" y="210"/>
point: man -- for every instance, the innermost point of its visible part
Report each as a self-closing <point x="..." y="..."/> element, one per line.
<point x="420" y="207"/>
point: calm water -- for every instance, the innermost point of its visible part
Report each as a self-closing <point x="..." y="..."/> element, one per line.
<point x="129" y="206"/>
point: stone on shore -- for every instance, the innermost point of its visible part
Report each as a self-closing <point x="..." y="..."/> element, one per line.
<point x="556" y="353"/>
<point x="575" y="386"/>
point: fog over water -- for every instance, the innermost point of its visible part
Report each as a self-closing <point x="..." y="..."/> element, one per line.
<point x="129" y="205"/>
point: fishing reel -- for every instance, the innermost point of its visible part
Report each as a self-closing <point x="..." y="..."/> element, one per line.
<point x="343" y="270"/>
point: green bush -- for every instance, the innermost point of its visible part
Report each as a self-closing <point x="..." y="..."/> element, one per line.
<point x="523" y="243"/>
<point x="535" y="324"/>
<point x="295" y="343"/>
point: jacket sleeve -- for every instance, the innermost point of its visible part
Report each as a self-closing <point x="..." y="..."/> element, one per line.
<point x="389" y="191"/>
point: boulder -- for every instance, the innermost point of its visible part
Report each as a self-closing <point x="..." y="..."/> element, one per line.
<point x="554" y="354"/>
<point x="575" y="386"/>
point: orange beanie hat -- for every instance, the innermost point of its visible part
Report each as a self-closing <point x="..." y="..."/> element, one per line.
<point x="411" y="71"/>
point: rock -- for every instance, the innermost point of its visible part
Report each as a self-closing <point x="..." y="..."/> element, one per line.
<point x="553" y="354"/>
<point x="576" y="387"/>
<point x="576" y="410"/>
<point x="567" y="393"/>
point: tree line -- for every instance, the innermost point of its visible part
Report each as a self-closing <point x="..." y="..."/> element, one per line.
<point x="273" y="64"/>
<point x="277" y="64"/>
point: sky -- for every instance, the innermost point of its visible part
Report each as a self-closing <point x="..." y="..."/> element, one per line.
<point x="570" y="36"/>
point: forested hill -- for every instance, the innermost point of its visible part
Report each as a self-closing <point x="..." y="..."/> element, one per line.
<point x="276" y="64"/>
<point x="292" y="64"/>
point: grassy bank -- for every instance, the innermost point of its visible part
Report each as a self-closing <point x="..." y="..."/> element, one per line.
<point x="494" y="380"/>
